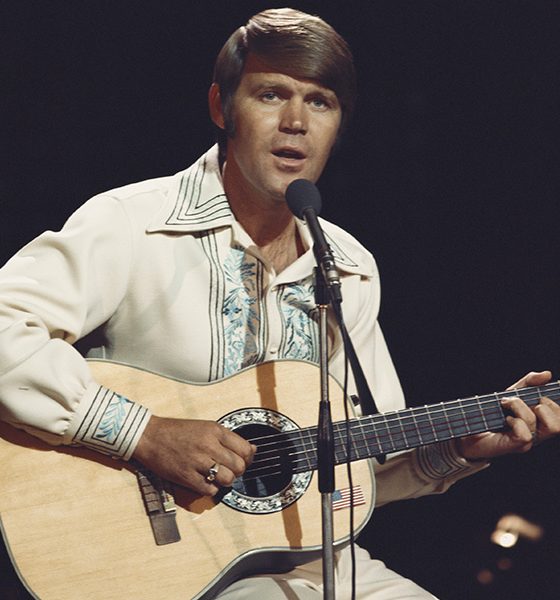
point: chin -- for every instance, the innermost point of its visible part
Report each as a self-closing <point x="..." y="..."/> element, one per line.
<point x="277" y="191"/>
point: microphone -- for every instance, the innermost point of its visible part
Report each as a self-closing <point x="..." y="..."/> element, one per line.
<point x="304" y="200"/>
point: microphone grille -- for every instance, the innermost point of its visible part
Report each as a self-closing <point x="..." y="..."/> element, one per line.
<point x="302" y="194"/>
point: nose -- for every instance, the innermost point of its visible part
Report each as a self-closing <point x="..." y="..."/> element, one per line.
<point x="294" y="118"/>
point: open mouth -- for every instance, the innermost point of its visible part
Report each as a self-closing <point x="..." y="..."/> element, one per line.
<point x="289" y="153"/>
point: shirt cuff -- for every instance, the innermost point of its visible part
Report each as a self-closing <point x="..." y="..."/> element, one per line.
<point x="112" y="425"/>
<point x="442" y="460"/>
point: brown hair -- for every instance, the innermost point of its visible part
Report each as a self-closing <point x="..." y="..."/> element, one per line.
<point x="301" y="45"/>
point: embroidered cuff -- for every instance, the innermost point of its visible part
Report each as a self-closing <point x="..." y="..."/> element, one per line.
<point x="113" y="424"/>
<point x="438" y="461"/>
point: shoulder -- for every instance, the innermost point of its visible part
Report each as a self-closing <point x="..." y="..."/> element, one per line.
<point x="134" y="204"/>
<point x="153" y="203"/>
<point x="134" y="199"/>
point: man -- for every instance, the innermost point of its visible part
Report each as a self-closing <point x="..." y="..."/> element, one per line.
<point x="199" y="275"/>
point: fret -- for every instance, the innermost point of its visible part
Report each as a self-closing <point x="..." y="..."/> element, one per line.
<point x="410" y="427"/>
<point x="464" y="417"/>
<point x="398" y="433"/>
<point x="446" y="419"/>
<point x="418" y="429"/>
<point x="481" y="412"/>
<point x="432" y="425"/>
<point x="456" y="419"/>
<point x="387" y="428"/>
<point x="339" y="432"/>
<point x="529" y="395"/>
<point x="413" y="427"/>
<point x="427" y="434"/>
<point x="375" y="437"/>
<point x="360" y="445"/>
<point x="476" y="417"/>
<point x="308" y="440"/>
<point x="496" y="415"/>
<point x="379" y="435"/>
<point x="359" y="429"/>
<point x="341" y="443"/>
<point x="445" y="427"/>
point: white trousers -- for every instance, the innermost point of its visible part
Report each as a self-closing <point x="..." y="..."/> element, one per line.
<point x="374" y="581"/>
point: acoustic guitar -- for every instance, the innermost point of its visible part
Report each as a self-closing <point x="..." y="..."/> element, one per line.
<point x="81" y="525"/>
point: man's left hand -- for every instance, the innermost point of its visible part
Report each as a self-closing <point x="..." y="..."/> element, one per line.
<point x="526" y="426"/>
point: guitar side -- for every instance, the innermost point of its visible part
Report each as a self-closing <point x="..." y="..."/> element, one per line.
<point x="73" y="519"/>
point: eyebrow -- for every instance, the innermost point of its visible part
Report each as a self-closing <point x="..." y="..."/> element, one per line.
<point x="280" y="84"/>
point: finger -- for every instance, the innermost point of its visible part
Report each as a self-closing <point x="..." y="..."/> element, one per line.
<point x="230" y="460"/>
<point x="550" y="404"/>
<point x="239" y="446"/>
<point x="548" y="418"/>
<point x="197" y="482"/>
<point x="206" y="489"/>
<point x="219" y="476"/>
<point x="532" y="378"/>
<point x="520" y="410"/>
<point x="225" y="447"/>
<point x="519" y="434"/>
<point x="225" y="477"/>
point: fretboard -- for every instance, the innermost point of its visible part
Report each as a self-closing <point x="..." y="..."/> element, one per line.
<point x="413" y="427"/>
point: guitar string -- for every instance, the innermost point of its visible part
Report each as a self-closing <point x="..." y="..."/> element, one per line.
<point x="308" y="445"/>
<point x="466" y="407"/>
<point x="420" y="428"/>
<point x="429" y="409"/>
<point x="309" y="464"/>
<point x="366" y="426"/>
<point x="308" y="461"/>
<point x="394" y="425"/>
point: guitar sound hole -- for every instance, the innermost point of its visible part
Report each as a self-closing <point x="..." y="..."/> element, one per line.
<point x="271" y="470"/>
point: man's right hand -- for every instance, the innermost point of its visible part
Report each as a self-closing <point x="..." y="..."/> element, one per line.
<point x="184" y="450"/>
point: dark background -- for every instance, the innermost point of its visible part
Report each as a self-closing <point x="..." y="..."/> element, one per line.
<point x="449" y="174"/>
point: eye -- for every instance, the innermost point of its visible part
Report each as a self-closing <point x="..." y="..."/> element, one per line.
<point x="320" y="103"/>
<point x="269" y="96"/>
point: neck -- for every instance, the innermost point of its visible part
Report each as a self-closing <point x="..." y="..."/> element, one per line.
<point x="265" y="224"/>
<point x="269" y="223"/>
<point x="274" y="232"/>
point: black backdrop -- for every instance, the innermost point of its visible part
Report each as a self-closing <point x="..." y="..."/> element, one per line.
<point x="449" y="174"/>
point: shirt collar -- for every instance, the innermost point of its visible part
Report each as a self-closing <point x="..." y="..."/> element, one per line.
<point x="349" y="255"/>
<point x="196" y="199"/>
<point x="197" y="202"/>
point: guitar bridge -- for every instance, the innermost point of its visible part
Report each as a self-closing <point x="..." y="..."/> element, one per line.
<point x="160" y="507"/>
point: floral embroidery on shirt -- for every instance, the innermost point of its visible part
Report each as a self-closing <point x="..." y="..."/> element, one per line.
<point x="300" y="340"/>
<point x="241" y="311"/>
<point x="113" y="424"/>
<point x="113" y="419"/>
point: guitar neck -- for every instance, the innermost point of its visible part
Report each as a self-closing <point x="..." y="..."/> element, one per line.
<point x="420" y="426"/>
<point x="413" y="427"/>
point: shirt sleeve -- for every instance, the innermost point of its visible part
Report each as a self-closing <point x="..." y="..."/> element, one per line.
<point x="54" y="291"/>
<point x="427" y="470"/>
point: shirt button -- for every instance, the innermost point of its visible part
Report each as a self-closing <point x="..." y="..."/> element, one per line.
<point x="273" y="350"/>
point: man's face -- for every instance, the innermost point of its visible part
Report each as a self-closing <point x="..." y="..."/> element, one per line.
<point x="284" y="130"/>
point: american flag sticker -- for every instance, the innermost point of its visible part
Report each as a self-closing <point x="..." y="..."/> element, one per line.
<point x="341" y="498"/>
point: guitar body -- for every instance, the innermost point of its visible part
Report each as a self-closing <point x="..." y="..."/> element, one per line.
<point x="75" y="523"/>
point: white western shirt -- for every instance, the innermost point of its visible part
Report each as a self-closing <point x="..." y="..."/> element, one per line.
<point x="160" y="275"/>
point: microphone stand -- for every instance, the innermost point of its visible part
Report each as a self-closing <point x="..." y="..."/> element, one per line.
<point x="304" y="201"/>
<point x="325" y="295"/>
<point x="325" y="441"/>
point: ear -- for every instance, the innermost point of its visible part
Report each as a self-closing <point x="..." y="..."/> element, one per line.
<point x="215" y="106"/>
